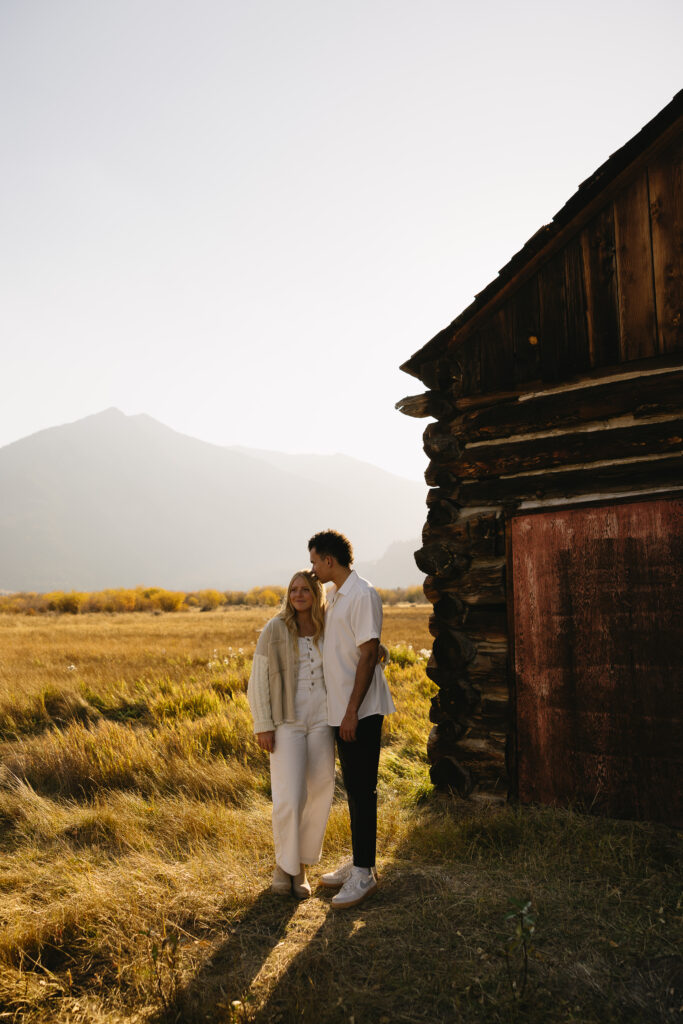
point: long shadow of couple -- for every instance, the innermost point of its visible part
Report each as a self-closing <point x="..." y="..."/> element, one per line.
<point x="304" y="988"/>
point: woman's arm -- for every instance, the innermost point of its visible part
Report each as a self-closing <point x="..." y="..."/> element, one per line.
<point x="266" y="740"/>
<point x="258" y="693"/>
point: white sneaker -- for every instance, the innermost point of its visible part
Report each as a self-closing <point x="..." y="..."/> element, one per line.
<point x="333" y="879"/>
<point x="355" y="889"/>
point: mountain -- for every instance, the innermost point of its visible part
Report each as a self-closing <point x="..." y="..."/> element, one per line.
<point x="396" y="567"/>
<point x="115" y="501"/>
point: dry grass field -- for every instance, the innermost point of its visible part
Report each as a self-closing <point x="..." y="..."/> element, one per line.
<point x="135" y="856"/>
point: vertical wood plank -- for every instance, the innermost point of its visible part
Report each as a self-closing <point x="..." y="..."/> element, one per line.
<point x="523" y="324"/>
<point x="552" y="340"/>
<point x="637" y="325"/>
<point x="578" y="355"/>
<point x="665" y="180"/>
<point x="600" y="276"/>
<point x="562" y="303"/>
<point x="496" y="354"/>
<point x="469" y="358"/>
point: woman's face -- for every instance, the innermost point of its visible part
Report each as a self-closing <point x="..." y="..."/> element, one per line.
<point x="300" y="595"/>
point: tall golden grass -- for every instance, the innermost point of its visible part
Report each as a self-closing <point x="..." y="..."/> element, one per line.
<point x="136" y="851"/>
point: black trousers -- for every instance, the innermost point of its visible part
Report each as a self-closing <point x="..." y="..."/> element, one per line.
<point x="359" y="760"/>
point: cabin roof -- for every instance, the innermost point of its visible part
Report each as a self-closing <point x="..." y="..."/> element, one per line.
<point x="586" y="193"/>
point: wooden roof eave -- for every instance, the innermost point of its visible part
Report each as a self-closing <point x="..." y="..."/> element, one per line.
<point x="590" y="197"/>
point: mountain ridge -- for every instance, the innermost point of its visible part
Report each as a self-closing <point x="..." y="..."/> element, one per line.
<point x="118" y="500"/>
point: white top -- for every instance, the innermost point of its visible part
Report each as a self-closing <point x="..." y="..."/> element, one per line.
<point x="310" y="662"/>
<point x="354" y="616"/>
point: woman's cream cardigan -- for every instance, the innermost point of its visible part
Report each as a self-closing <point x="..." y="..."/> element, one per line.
<point x="273" y="680"/>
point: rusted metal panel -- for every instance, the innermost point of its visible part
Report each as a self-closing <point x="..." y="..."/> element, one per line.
<point x="598" y="654"/>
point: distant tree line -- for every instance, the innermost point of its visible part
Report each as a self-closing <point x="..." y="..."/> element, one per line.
<point x="157" y="599"/>
<point x="402" y="595"/>
<point x="139" y="599"/>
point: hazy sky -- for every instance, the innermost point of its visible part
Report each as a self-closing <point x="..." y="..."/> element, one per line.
<point x="240" y="216"/>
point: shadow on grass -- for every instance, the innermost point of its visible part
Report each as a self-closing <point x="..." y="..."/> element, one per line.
<point x="234" y="965"/>
<point x="430" y="943"/>
<point x="422" y="949"/>
<point x="366" y="964"/>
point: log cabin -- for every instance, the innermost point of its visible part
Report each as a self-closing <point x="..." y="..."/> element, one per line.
<point x="553" y="545"/>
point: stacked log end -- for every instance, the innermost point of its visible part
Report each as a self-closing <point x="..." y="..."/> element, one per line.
<point x="463" y="556"/>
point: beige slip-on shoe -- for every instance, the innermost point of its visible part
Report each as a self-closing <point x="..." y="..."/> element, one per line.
<point x="301" y="887"/>
<point x="282" y="882"/>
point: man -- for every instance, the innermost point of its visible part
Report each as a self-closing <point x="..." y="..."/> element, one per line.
<point x="357" y="700"/>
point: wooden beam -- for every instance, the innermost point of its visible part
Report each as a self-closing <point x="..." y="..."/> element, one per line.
<point x="642" y="395"/>
<point x="566" y="449"/>
<point x="630" y="474"/>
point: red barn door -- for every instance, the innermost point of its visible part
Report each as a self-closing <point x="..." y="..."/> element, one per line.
<point x="598" y="657"/>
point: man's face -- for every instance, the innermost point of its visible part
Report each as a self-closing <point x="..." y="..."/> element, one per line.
<point x="321" y="566"/>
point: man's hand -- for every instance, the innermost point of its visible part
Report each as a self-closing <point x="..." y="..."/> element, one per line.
<point x="349" y="724"/>
<point x="266" y="740"/>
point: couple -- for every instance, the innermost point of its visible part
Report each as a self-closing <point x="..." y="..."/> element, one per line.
<point x="316" y="676"/>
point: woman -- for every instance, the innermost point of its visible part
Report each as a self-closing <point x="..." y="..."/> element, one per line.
<point x="288" y="702"/>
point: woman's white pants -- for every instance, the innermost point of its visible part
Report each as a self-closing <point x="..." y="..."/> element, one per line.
<point x="302" y="780"/>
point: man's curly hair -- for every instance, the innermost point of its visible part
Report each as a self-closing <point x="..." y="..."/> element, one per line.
<point x="333" y="543"/>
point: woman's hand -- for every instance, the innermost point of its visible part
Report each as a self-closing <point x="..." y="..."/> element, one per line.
<point x="266" y="740"/>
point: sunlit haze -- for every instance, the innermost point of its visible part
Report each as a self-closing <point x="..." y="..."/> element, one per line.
<point x="241" y="218"/>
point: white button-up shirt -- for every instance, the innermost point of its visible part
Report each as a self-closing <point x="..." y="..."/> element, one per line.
<point x="354" y="616"/>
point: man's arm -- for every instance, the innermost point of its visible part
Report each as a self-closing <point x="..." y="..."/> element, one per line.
<point x="365" y="670"/>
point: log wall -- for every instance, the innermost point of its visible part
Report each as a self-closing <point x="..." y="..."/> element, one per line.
<point x="602" y="439"/>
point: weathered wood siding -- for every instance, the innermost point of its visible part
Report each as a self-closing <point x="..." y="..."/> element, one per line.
<point x="612" y="295"/>
<point x="598" y="657"/>
<point x="609" y="292"/>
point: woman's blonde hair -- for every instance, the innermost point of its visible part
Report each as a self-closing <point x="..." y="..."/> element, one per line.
<point x="317" y="609"/>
